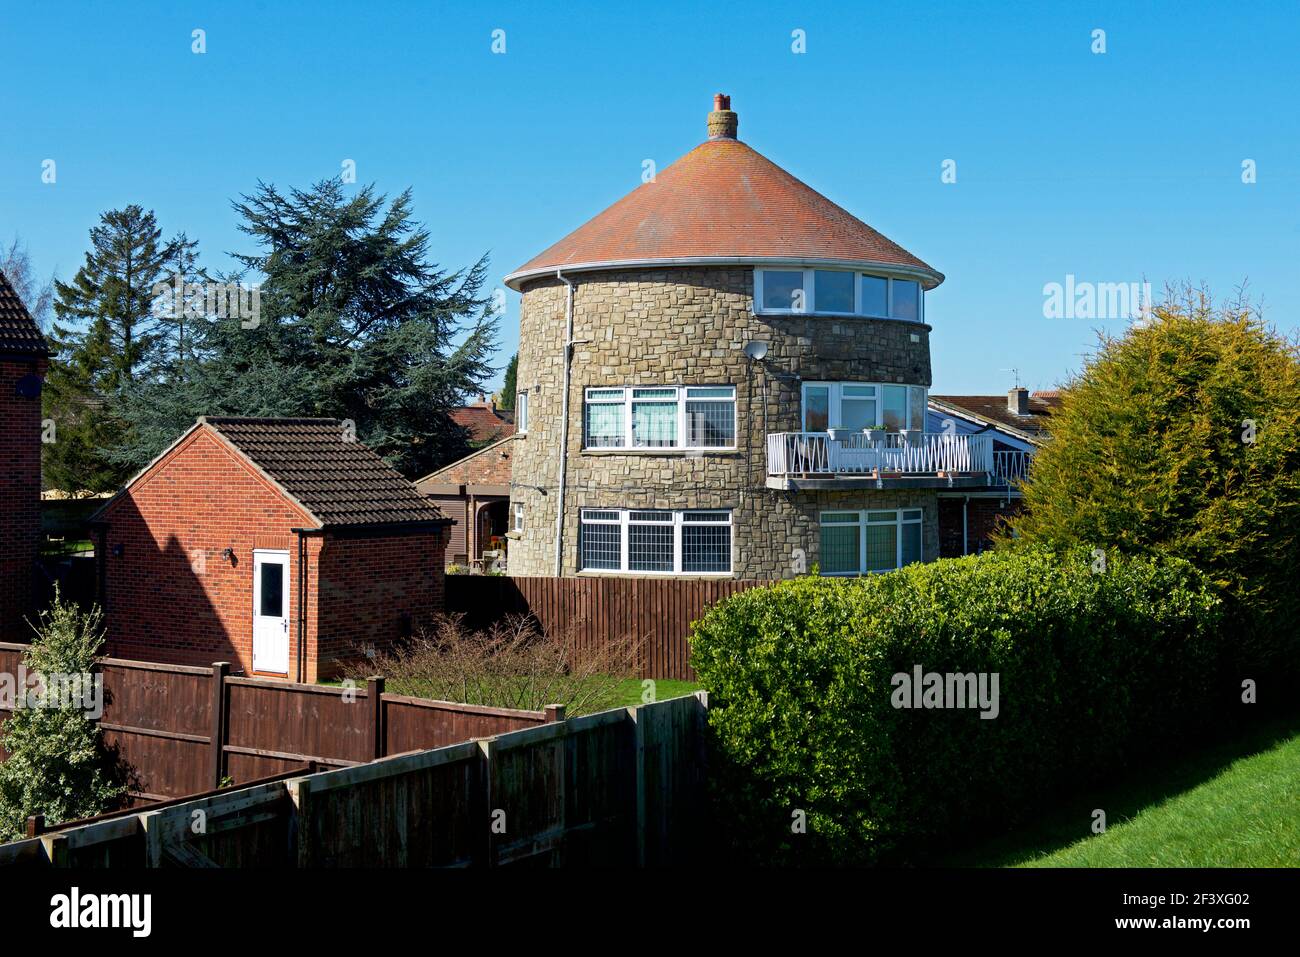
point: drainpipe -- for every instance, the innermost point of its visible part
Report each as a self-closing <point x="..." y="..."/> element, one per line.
<point x="965" y="548"/>
<point x="564" y="422"/>
<point x="300" y="673"/>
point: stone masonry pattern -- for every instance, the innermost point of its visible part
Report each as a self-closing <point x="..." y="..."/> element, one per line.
<point x="689" y="326"/>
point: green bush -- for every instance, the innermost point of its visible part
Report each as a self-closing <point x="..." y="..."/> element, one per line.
<point x="1182" y="436"/>
<point x="58" y="765"/>
<point x="1095" y="670"/>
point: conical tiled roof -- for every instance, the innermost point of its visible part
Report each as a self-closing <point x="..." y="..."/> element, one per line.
<point x="724" y="202"/>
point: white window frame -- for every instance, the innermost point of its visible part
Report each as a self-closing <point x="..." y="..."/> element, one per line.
<point x="810" y="293"/>
<point x="681" y="398"/>
<point x="521" y="411"/>
<point x="836" y="392"/>
<point x="678" y="521"/>
<point x="902" y="516"/>
<point x="517" y="517"/>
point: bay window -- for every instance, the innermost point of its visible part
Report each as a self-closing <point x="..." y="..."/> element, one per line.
<point x="839" y="292"/>
<point x="656" y="541"/>
<point x="668" y="417"/>
<point x="870" y="540"/>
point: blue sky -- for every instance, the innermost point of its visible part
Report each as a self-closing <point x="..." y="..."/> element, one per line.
<point x="1113" y="167"/>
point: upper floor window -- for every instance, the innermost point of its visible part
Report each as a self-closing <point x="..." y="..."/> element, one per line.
<point x="863" y="405"/>
<point x="521" y="411"/>
<point x="837" y="292"/>
<point x="660" y="417"/>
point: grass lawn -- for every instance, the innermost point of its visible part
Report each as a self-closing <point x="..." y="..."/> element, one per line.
<point x="1233" y="804"/>
<point x="625" y="693"/>
<point x="629" y="691"/>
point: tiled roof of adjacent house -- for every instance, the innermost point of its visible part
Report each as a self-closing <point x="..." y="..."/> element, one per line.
<point x="723" y="201"/>
<point x="485" y="423"/>
<point x="338" y="481"/>
<point x="490" y="465"/>
<point x="994" y="408"/>
<point x="18" y="332"/>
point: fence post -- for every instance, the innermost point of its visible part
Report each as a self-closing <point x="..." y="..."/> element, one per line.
<point x="553" y="712"/>
<point x="35" y="825"/>
<point x="375" y="698"/>
<point x="220" y="670"/>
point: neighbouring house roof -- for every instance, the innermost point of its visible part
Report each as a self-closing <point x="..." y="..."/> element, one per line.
<point x="994" y="410"/>
<point x="724" y="202"/>
<point x="18" y="331"/>
<point x="338" y="481"/>
<point x="484" y="421"/>
<point x="489" y="466"/>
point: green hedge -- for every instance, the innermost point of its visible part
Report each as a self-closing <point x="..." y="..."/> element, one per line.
<point x="1094" y="671"/>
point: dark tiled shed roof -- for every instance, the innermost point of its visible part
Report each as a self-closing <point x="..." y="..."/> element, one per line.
<point x="18" y="331"/>
<point x="342" y="483"/>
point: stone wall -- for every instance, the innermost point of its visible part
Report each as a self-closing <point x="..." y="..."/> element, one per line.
<point x="689" y="326"/>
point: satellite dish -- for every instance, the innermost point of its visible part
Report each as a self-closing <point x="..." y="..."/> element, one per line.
<point x="756" y="350"/>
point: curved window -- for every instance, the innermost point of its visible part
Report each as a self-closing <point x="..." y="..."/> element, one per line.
<point x="863" y="405"/>
<point x="837" y="292"/>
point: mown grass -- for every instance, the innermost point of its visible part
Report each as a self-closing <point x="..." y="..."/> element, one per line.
<point x="1233" y="804"/>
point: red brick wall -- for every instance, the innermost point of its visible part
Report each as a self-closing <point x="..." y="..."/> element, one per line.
<point x="376" y="590"/>
<point x="170" y="595"/>
<point x="983" y="517"/>
<point x="20" y="496"/>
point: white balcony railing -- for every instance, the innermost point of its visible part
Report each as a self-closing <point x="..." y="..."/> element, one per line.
<point x="1010" y="467"/>
<point x="875" y="452"/>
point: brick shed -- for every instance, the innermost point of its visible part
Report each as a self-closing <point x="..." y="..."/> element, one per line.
<point x="280" y="545"/>
<point x="23" y="357"/>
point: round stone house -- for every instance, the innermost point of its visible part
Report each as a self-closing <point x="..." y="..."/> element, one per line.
<point x="725" y="374"/>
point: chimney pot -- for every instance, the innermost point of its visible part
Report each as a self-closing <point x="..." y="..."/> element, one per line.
<point x="722" y="121"/>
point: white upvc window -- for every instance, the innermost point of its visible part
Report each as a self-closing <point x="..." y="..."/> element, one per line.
<point x="660" y="417"/>
<point x="656" y="541"/>
<point x="517" y="517"/>
<point x="794" y="290"/>
<point x="521" y="412"/>
<point x="863" y="405"/>
<point x="870" y="540"/>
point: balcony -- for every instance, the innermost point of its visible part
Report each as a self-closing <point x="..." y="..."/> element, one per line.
<point x="876" y="459"/>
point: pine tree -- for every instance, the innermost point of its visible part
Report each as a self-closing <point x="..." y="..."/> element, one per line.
<point x="104" y="338"/>
<point x="353" y="322"/>
<point x="509" y="385"/>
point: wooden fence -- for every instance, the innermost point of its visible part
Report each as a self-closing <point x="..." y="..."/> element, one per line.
<point x="619" y="788"/>
<point x="657" y="612"/>
<point x="184" y="729"/>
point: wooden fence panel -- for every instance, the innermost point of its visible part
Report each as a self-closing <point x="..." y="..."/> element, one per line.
<point x="426" y="809"/>
<point x="274" y="725"/>
<point x="162" y="720"/>
<point x="414" y="724"/>
<point x="612" y="789"/>
<point x="671" y="745"/>
<point x="596" y="611"/>
<point x="600" y="790"/>
<point x="526" y="796"/>
<point x="250" y="827"/>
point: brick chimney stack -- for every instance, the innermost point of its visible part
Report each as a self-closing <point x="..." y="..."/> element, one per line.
<point x="722" y="121"/>
<point x="1018" y="400"/>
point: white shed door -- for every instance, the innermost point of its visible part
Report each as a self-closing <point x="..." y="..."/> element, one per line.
<point x="271" y="612"/>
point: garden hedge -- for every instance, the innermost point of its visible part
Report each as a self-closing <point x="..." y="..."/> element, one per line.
<point x="1095" y="669"/>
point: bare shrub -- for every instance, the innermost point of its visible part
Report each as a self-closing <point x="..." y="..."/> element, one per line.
<point x="510" y="665"/>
